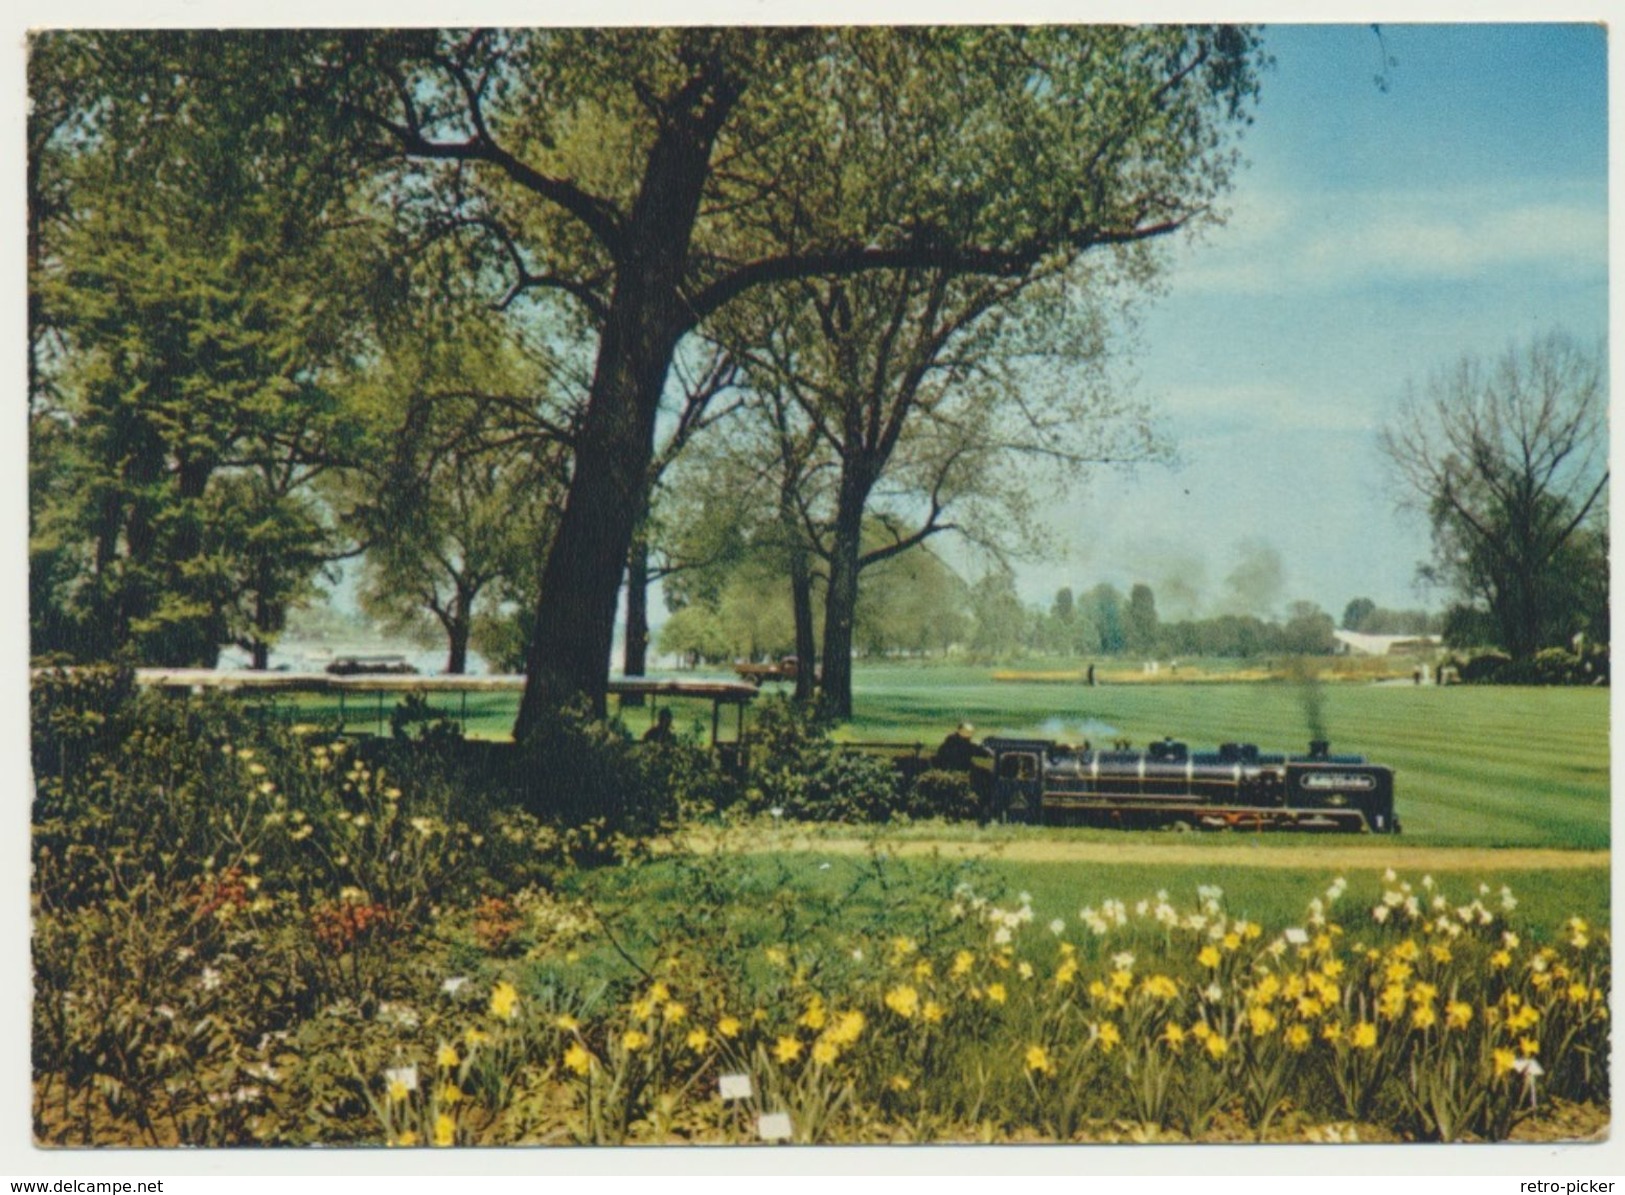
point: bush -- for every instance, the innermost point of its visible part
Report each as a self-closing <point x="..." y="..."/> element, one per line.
<point x="799" y="772"/>
<point x="1550" y="666"/>
<point x="937" y="793"/>
<point x="576" y="770"/>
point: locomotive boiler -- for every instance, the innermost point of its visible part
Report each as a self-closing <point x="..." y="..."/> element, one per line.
<point x="1237" y="786"/>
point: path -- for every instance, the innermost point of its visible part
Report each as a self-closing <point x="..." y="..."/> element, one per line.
<point x="1331" y="857"/>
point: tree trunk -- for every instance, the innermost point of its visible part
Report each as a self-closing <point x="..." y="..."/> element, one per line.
<point x="806" y="636"/>
<point x="457" y="640"/>
<point x="635" y="656"/>
<point x="841" y="602"/>
<point x="800" y="596"/>
<point x="570" y="648"/>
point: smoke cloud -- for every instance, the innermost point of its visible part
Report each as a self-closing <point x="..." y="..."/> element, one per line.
<point x="1255" y="585"/>
<point x="1177" y="575"/>
<point x="1311" y="695"/>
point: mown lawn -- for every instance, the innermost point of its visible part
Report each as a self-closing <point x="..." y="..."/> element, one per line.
<point x="1476" y="766"/>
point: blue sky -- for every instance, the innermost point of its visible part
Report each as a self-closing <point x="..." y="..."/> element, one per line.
<point x="1375" y="237"/>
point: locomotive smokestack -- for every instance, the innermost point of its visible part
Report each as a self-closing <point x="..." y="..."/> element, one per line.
<point x="1319" y="748"/>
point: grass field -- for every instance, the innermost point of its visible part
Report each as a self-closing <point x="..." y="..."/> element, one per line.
<point x="1476" y="766"/>
<point x="1273" y="897"/>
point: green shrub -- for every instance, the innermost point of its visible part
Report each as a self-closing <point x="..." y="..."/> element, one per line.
<point x="938" y="793"/>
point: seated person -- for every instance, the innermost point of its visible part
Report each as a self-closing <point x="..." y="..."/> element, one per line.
<point x="661" y="731"/>
<point x="958" y="751"/>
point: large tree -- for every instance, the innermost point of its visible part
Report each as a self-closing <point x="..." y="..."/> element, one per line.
<point x="1509" y="461"/>
<point x="188" y="274"/>
<point x="938" y="402"/>
<point x="651" y="177"/>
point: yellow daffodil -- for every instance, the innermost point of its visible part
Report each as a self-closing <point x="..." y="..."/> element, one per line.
<point x="848" y="1027"/>
<point x="566" y="1022"/>
<point x="505" y="1001"/>
<point x="1458" y="1014"/>
<point x="824" y="1051"/>
<point x="933" y="1012"/>
<point x="787" y="1049"/>
<point x="1261" y="1020"/>
<point x="674" y="1013"/>
<point x="963" y="962"/>
<point x="1501" y="960"/>
<point x="904" y="1001"/>
<point x="698" y="1039"/>
<point x="450" y="1094"/>
<point x="1505" y="1060"/>
<point x="814" y="1016"/>
<point x="1216" y="1046"/>
<point x="1363" y="1036"/>
<point x="729" y="1026"/>
<point x="1528" y="1047"/>
<point x="634" y="1040"/>
<point x="1231" y="941"/>
<point x="1208" y="956"/>
<point x="1038" y="1060"/>
<point x="900" y="1083"/>
<point x="1160" y="987"/>
<point x="1297" y="1038"/>
<point x="577" y="1059"/>
<point x="1172" y="1035"/>
<point x="447" y="1056"/>
<point x="445" y="1130"/>
<point x="1107" y="1036"/>
<point x="1424" y="1017"/>
<point x="996" y="993"/>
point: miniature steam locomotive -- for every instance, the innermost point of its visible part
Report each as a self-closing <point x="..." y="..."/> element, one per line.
<point x="1237" y="786"/>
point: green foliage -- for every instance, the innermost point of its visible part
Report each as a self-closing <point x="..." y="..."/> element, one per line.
<point x="204" y="304"/>
<point x="1508" y="460"/>
<point x="941" y="794"/>
<point x="579" y="770"/>
<point x="1549" y="666"/>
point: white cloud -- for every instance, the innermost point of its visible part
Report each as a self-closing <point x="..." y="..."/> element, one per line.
<point x="1313" y="242"/>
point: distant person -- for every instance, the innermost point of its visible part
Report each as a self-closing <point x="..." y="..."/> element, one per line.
<point x="958" y="750"/>
<point x="1091" y="676"/>
<point x="661" y="731"/>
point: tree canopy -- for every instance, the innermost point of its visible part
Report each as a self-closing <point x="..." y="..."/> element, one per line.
<point x="1509" y="462"/>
